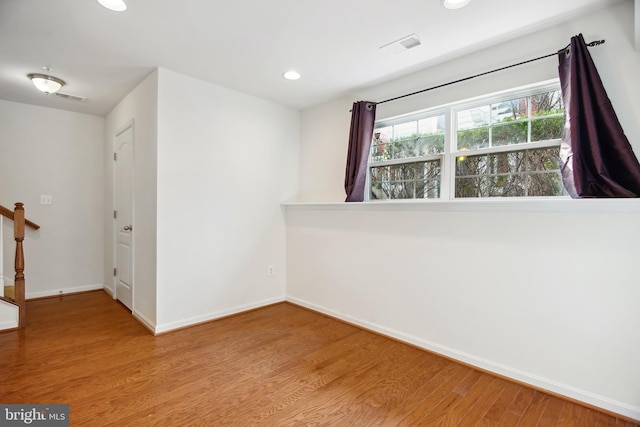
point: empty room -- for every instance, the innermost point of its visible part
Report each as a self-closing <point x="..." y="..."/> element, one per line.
<point x="357" y="213"/>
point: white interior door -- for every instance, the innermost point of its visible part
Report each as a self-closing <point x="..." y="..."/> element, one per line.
<point x="124" y="217"/>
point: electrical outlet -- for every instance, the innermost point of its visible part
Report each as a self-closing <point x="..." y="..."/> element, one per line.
<point x="270" y="270"/>
<point x="46" y="199"/>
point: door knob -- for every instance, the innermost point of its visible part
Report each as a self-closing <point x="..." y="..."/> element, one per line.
<point x="128" y="227"/>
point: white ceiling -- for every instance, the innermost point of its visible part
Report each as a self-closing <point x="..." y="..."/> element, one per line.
<point x="246" y="45"/>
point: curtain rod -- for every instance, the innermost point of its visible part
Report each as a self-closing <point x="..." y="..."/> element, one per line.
<point x="592" y="44"/>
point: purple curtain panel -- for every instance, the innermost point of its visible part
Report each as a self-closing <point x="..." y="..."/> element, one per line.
<point x="363" y="117"/>
<point x="598" y="160"/>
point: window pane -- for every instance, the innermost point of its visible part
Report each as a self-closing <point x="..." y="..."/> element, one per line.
<point x="545" y="159"/>
<point x="403" y="144"/>
<point x="497" y="163"/>
<point x="468" y="166"/>
<point x="429" y="145"/>
<point x="510" y="133"/>
<point x="473" y="118"/>
<point x="473" y="139"/>
<point x="404" y="147"/>
<point x="379" y="174"/>
<point x="431" y="125"/>
<point x="511" y="174"/>
<point x="547" y="103"/>
<point x="513" y="185"/>
<point x="515" y="109"/>
<point x="468" y="187"/>
<point x="431" y="137"/>
<point x="546" y="184"/>
<point x="405" y="129"/>
<point x="545" y="129"/>
<point x="379" y="145"/>
<point x="406" y="181"/>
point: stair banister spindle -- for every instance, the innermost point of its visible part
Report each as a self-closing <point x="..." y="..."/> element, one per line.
<point x="19" y="289"/>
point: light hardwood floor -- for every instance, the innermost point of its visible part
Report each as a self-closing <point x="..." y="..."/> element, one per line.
<point x="277" y="366"/>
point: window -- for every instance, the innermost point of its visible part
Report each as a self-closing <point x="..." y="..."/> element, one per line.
<point x="405" y="160"/>
<point x="503" y="145"/>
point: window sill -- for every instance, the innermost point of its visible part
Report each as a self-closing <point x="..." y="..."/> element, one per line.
<point x="480" y="205"/>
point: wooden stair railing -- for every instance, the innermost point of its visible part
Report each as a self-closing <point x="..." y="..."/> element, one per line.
<point x="19" y="223"/>
<point x="9" y="214"/>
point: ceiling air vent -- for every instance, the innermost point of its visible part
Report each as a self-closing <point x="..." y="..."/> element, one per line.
<point x="404" y="44"/>
<point x="70" y="97"/>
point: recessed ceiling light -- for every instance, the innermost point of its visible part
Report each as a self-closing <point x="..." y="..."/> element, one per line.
<point x="291" y="75"/>
<point x="115" y="5"/>
<point x="455" y="4"/>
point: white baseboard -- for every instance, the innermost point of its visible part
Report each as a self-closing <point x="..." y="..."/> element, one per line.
<point x="146" y="322"/>
<point x="42" y="294"/>
<point x="166" y="327"/>
<point x="109" y="289"/>
<point x="552" y="386"/>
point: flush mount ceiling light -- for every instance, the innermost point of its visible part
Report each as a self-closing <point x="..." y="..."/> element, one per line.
<point x="46" y="84"/>
<point x="291" y="75"/>
<point x="115" y="5"/>
<point x="455" y="4"/>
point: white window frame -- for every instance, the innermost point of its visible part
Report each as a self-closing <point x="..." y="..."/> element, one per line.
<point x="451" y="152"/>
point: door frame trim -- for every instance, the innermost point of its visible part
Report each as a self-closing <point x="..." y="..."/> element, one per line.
<point x="114" y="232"/>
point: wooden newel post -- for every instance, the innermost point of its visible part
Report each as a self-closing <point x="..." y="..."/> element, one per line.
<point x="18" y="232"/>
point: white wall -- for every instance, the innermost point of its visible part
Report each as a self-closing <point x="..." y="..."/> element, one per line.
<point x="225" y="163"/>
<point x="45" y="151"/>
<point x="141" y="107"/>
<point x="544" y="293"/>
<point x="211" y="169"/>
<point x="323" y="152"/>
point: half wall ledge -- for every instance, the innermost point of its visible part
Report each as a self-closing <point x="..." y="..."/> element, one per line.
<point x="622" y="206"/>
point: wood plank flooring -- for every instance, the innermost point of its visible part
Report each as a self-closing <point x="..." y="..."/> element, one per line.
<point x="277" y="366"/>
